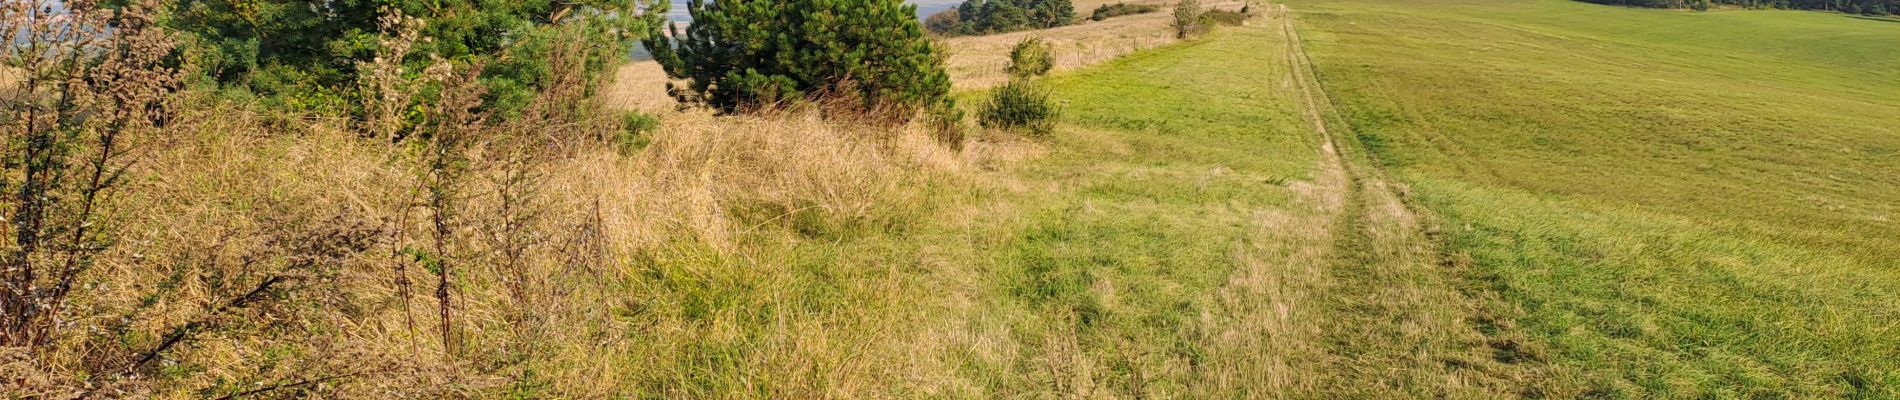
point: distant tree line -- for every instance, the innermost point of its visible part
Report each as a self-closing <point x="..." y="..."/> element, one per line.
<point x="1865" y="7"/>
<point x="1107" y="11"/>
<point x="982" y="17"/>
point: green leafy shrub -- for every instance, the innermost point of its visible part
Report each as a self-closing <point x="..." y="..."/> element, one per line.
<point x="1031" y="57"/>
<point x="741" y="55"/>
<point x="1107" y="11"/>
<point x="1020" y="105"/>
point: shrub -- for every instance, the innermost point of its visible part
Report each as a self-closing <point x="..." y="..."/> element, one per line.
<point x="636" y="129"/>
<point x="741" y="55"/>
<point x="1031" y="57"/>
<point x="1020" y="105"/>
<point x="946" y="22"/>
<point x="946" y="125"/>
<point x="1223" y="17"/>
<point x="94" y="88"/>
<point x="1187" y="19"/>
<point x="1107" y="11"/>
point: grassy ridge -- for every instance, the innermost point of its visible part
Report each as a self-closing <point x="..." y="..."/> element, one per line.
<point x="1680" y="204"/>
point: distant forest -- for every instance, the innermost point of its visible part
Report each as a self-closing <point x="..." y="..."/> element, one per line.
<point x="983" y="17"/>
<point x="1866" y="7"/>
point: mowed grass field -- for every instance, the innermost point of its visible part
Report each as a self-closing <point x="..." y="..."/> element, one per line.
<point x="1671" y="204"/>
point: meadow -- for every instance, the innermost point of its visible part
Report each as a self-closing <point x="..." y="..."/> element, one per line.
<point x="1352" y="199"/>
<point x="1674" y="204"/>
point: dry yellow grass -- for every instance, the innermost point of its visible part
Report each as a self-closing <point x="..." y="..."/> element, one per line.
<point x="711" y="200"/>
<point x="639" y="86"/>
<point x="641" y="271"/>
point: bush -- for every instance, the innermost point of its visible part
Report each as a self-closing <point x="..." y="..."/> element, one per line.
<point x="1020" y="105"/>
<point x="1107" y="11"/>
<point x="741" y="55"/>
<point x="1031" y="57"/>
<point x="946" y="22"/>
<point x="636" y="129"/>
<point x="1223" y="18"/>
<point x="1187" y="19"/>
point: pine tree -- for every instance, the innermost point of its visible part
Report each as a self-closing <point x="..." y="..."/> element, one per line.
<point x="741" y="55"/>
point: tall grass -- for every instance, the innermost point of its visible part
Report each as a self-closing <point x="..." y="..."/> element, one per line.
<point x="254" y="253"/>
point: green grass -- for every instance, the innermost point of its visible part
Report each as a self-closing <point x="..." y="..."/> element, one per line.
<point x="1088" y="268"/>
<point x="1101" y="268"/>
<point x="1677" y="204"/>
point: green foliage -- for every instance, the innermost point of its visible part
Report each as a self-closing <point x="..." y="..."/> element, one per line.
<point x="1107" y="11"/>
<point x="747" y="54"/>
<point x="1020" y="105"/>
<point x="1223" y="17"/>
<point x="946" y="22"/>
<point x="1187" y="19"/>
<point x="636" y="129"/>
<point x="982" y="17"/>
<point x="303" y="53"/>
<point x="1031" y="57"/>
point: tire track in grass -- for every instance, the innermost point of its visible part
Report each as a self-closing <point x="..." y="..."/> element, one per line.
<point x="1393" y="320"/>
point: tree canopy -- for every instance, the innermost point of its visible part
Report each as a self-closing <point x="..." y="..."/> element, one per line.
<point x="304" y="52"/>
<point x="982" y="17"/>
<point x="747" y="54"/>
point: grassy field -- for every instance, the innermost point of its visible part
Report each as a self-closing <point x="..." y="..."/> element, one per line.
<point x="977" y="62"/>
<point x="1358" y="199"/>
<point x="1675" y="204"/>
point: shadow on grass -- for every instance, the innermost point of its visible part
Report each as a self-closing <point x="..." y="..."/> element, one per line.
<point x="1872" y="18"/>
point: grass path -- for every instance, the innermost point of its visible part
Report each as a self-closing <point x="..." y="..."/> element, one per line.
<point x="1396" y="322"/>
<point x="1666" y="204"/>
<point x="1215" y="240"/>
